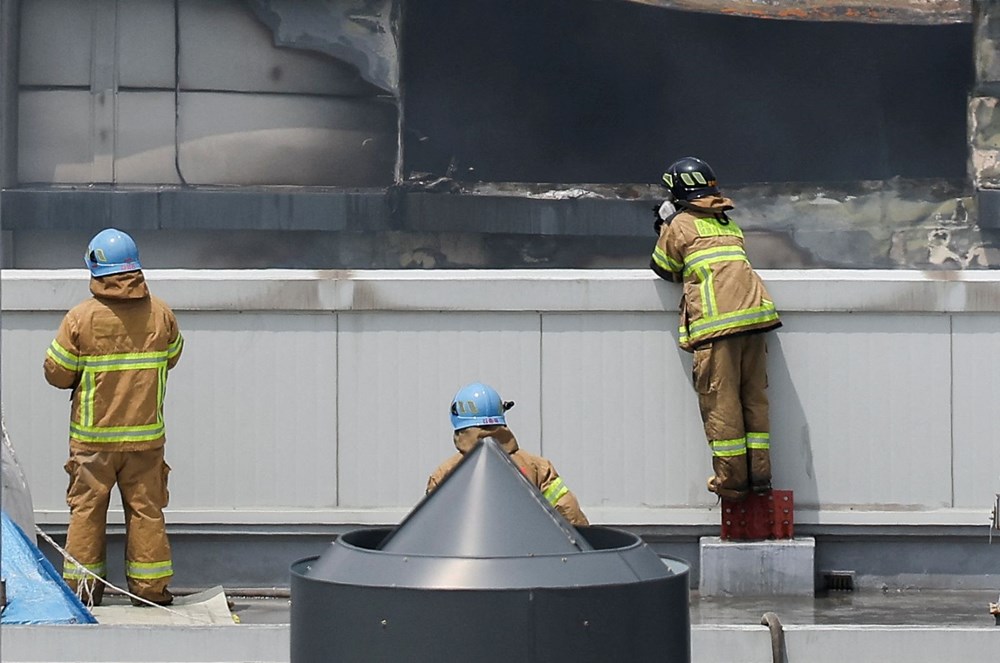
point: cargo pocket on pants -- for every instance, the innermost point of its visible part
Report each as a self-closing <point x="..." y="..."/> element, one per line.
<point x="72" y="487"/>
<point x="165" y="491"/>
<point x="701" y="369"/>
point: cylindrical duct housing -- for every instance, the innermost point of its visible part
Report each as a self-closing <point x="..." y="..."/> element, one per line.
<point x="617" y="602"/>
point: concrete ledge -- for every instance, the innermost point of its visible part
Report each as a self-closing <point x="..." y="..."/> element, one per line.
<point x="265" y="643"/>
<point x="270" y="643"/>
<point x="757" y="568"/>
<point x="835" y="644"/>
<point x="516" y="290"/>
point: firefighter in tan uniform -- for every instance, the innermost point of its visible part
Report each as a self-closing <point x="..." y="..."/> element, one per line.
<point x="724" y="311"/>
<point x="476" y="413"/>
<point x="114" y="351"/>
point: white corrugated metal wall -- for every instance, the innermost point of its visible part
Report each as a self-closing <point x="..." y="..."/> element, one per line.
<point x="322" y="397"/>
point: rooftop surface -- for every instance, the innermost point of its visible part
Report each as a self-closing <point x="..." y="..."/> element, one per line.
<point x="863" y="608"/>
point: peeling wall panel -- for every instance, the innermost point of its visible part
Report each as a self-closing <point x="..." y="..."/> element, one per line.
<point x="362" y="33"/>
<point x="224" y="47"/>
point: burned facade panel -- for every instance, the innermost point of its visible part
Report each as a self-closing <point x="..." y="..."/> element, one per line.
<point x="501" y="133"/>
<point x="191" y="93"/>
<point x="612" y="92"/>
<point x="929" y="12"/>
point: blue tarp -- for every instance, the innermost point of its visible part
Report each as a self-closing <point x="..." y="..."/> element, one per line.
<point x="35" y="592"/>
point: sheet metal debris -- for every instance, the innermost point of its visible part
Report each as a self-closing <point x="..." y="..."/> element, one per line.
<point x="912" y="12"/>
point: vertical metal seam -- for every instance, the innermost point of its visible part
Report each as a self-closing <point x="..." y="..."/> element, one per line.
<point x="115" y="59"/>
<point x="336" y="406"/>
<point x="177" y="92"/>
<point x="541" y="384"/>
<point x="951" y="401"/>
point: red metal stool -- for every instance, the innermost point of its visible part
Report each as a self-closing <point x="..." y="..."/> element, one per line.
<point x="759" y="517"/>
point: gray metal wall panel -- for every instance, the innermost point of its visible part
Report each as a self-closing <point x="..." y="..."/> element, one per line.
<point x="251" y="422"/>
<point x="144" y="148"/>
<point x="976" y="417"/>
<point x="861" y="409"/>
<point x="55" y="136"/>
<point x="146" y="43"/>
<point x="56" y="42"/>
<point x="36" y="414"/>
<point x="224" y="47"/>
<point x="398" y="374"/>
<point x="262" y="400"/>
<point x="620" y="418"/>
<point x="284" y="139"/>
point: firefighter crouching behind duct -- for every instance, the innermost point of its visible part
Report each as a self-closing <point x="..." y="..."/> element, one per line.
<point x="724" y="311"/>
<point x="477" y="413"/>
<point x="114" y="351"/>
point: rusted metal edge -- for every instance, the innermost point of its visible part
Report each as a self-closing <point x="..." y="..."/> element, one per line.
<point x="900" y="12"/>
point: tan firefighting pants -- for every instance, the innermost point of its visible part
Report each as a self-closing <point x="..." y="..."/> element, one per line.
<point x="730" y="377"/>
<point x="142" y="481"/>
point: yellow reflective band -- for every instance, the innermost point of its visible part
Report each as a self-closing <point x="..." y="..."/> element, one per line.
<point x="711" y="227"/>
<point x="711" y="256"/>
<point x="732" y="320"/>
<point x="707" y="290"/>
<point x="132" y="361"/>
<point x="759" y="440"/>
<point x="661" y="258"/>
<point x="111" y="434"/>
<point x="73" y="572"/>
<point x="149" y="570"/>
<point x="726" y="448"/>
<point x="63" y="357"/>
<point x="87" y="388"/>
<point x="555" y="490"/>
<point x="174" y="348"/>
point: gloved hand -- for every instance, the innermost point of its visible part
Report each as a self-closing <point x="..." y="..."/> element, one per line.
<point x="662" y="213"/>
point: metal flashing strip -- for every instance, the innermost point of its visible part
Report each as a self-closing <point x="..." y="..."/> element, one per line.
<point x="558" y="290"/>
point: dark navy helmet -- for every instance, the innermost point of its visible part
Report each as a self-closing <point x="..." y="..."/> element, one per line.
<point x="690" y="178"/>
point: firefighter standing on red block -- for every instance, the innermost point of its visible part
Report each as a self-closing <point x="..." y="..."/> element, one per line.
<point x="724" y="311"/>
<point x="114" y="351"/>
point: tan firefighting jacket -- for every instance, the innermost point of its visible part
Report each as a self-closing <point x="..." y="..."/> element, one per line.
<point x="113" y="351"/>
<point x="703" y="248"/>
<point x="538" y="470"/>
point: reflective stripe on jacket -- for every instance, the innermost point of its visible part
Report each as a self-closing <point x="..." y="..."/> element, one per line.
<point x="538" y="470"/>
<point x="114" y="351"/>
<point x="723" y="295"/>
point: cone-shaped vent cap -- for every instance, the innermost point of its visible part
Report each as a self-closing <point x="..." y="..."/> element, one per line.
<point x="485" y="508"/>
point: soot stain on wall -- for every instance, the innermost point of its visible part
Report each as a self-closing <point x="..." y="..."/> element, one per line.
<point x="571" y="91"/>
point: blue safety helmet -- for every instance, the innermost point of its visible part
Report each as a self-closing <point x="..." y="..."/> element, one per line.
<point x="112" y="252"/>
<point x="478" y="404"/>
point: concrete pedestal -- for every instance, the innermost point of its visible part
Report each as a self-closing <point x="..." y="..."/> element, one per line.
<point x="784" y="567"/>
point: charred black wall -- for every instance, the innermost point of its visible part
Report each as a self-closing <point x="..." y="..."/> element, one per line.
<point x="590" y="91"/>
